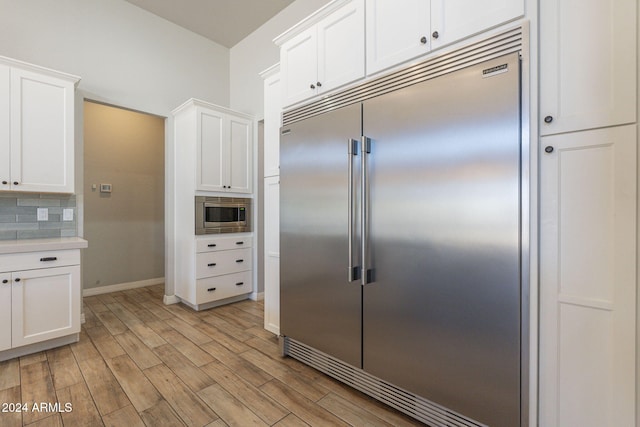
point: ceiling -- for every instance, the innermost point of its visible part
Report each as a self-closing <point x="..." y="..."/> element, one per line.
<point x="226" y="22"/>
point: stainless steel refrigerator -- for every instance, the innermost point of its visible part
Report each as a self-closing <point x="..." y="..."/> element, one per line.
<point x="401" y="243"/>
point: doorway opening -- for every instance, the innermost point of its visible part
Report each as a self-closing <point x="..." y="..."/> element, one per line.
<point x="123" y="198"/>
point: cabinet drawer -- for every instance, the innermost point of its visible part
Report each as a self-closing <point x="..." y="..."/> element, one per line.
<point x="34" y="260"/>
<point x="209" y="244"/>
<point x="222" y="262"/>
<point x="220" y="287"/>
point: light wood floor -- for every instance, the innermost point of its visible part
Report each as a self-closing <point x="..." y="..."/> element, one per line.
<point x="140" y="363"/>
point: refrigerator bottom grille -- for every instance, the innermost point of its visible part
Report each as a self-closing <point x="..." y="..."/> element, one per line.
<point x="411" y="404"/>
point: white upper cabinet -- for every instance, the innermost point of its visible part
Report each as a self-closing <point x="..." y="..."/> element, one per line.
<point x="272" y="120"/>
<point x="223" y="152"/>
<point x="210" y="166"/>
<point x="397" y="30"/>
<point x="36" y="129"/>
<point x="587" y="64"/>
<point x="5" y="134"/>
<point x="454" y="20"/>
<point x="324" y="51"/>
<point x="240" y="155"/>
<point x="299" y="58"/>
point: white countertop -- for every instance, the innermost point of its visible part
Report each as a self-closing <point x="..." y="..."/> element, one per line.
<point x="37" y="245"/>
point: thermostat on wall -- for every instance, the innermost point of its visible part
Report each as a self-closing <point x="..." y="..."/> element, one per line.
<point x="105" y="188"/>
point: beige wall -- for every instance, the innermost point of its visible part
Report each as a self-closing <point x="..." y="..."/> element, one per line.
<point x="125" y="229"/>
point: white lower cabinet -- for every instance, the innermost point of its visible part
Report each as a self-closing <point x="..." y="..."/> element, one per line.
<point x="45" y="304"/>
<point x="5" y="311"/>
<point x="588" y="278"/>
<point x="40" y="301"/>
<point x="222" y="271"/>
<point x="272" y="254"/>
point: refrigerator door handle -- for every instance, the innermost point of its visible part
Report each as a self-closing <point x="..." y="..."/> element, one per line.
<point x="364" y="211"/>
<point x="353" y="151"/>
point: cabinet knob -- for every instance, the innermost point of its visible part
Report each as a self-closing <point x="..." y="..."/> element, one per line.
<point x="312" y="86"/>
<point x="15" y="183"/>
<point x="548" y="119"/>
<point x="17" y="279"/>
<point x="4" y="182"/>
<point x="435" y="34"/>
<point x="548" y="149"/>
<point x="5" y="281"/>
<point x="423" y="40"/>
<point x="318" y="84"/>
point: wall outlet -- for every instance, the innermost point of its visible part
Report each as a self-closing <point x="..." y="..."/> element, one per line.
<point x="67" y="214"/>
<point x="43" y="214"/>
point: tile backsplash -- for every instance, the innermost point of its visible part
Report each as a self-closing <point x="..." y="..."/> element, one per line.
<point x="19" y="220"/>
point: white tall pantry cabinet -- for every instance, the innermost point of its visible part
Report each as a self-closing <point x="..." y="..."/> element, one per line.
<point x="212" y="155"/>
<point x="272" y="123"/>
<point x="588" y="213"/>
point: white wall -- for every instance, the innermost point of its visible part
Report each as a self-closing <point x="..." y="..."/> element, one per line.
<point x="257" y="52"/>
<point x="125" y="56"/>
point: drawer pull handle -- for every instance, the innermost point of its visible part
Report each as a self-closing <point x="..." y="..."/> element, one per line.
<point x="49" y="258"/>
<point x="212" y="245"/>
<point x="213" y="264"/>
<point x="239" y="243"/>
<point x="211" y="289"/>
<point x="239" y="260"/>
<point x="239" y="283"/>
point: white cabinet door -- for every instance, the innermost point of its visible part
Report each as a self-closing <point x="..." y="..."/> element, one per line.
<point x="272" y="254"/>
<point x="211" y="169"/>
<point x="341" y="47"/>
<point x="272" y="123"/>
<point x="397" y="30"/>
<point x="588" y="67"/>
<point x="224" y="153"/>
<point x="46" y="304"/>
<point x="42" y="134"/>
<point x="5" y="115"/>
<point x="5" y="311"/>
<point x="299" y="61"/>
<point x="588" y="278"/>
<point x="240" y="155"/>
<point x="453" y="20"/>
<point x="328" y="54"/>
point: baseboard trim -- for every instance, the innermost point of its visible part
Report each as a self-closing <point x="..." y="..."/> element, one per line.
<point x="256" y="296"/>
<point x="170" y="299"/>
<point x="121" y="287"/>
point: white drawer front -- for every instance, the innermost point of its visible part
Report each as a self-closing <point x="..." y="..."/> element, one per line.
<point x="222" y="262"/>
<point x="209" y="244"/>
<point x="220" y="287"/>
<point x="34" y="260"/>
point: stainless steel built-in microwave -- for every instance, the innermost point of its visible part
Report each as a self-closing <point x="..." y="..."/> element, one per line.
<point x="222" y="215"/>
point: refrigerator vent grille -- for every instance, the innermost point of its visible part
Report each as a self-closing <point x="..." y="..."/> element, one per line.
<point x="415" y="406"/>
<point x="490" y="48"/>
